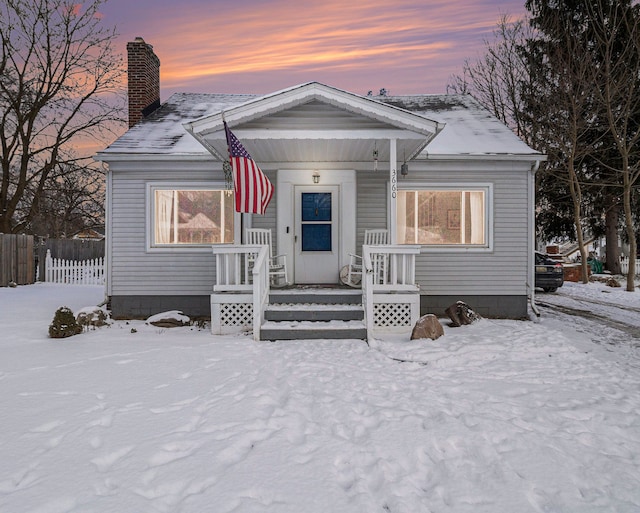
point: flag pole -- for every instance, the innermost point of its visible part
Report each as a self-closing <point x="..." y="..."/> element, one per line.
<point x="226" y="164"/>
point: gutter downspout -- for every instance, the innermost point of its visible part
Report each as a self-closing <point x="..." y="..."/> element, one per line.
<point x="108" y="245"/>
<point x="531" y="257"/>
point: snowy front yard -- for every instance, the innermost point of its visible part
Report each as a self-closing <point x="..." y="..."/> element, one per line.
<point x="498" y="416"/>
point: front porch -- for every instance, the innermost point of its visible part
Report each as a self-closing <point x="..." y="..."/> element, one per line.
<point x="244" y="300"/>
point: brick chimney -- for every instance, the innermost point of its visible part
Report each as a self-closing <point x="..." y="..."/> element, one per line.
<point x="144" y="80"/>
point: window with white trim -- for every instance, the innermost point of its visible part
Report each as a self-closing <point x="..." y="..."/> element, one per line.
<point x="442" y="216"/>
<point x="191" y="217"/>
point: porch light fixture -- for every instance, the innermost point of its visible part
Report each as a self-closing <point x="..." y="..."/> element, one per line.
<point x="375" y="156"/>
<point x="404" y="168"/>
<point x="316" y="177"/>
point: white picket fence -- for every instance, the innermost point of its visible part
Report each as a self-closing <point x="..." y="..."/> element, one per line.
<point x="74" y="272"/>
<point x="624" y="266"/>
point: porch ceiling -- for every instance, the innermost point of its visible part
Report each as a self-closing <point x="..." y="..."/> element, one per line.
<point x="320" y="146"/>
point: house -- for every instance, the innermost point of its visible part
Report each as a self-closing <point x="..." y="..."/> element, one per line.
<point x="452" y="184"/>
<point x="89" y="234"/>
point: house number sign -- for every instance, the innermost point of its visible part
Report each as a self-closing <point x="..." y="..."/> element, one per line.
<point x="394" y="183"/>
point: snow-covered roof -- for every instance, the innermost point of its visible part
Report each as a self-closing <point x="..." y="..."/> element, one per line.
<point x="162" y="132"/>
<point x="469" y="129"/>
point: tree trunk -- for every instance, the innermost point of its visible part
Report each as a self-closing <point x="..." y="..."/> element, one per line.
<point x="576" y="198"/>
<point x="584" y="264"/>
<point x="612" y="219"/>
<point x="631" y="274"/>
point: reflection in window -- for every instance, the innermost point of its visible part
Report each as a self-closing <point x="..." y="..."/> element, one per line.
<point x="316" y="234"/>
<point x="441" y="217"/>
<point x="316" y="237"/>
<point x="316" y="206"/>
<point x="193" y="216"/>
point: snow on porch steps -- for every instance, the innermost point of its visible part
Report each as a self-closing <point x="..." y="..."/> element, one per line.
<point x="316" y="295"/>
<point x="314" y="313"/>
<point x="307" y="330"/>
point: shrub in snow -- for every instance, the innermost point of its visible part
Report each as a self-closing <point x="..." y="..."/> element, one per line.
<point x="64" y="324"/>
<point x="91" y="316"/>
<point x="612" y="282"/>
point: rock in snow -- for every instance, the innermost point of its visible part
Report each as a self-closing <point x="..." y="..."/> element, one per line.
<point x="428" y="326"/>
<point x="461" y="314"/>
<point x="170" y="319"/>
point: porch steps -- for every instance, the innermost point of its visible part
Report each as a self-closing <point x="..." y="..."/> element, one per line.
<point x="314" y="313"/>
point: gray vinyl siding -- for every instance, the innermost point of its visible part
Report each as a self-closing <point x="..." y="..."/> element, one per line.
<point x="137" y="270"/>
<point x="371" y="210"/>
<point x="180" y="271"/>
<point x="500" y="271"/>
<point x="268" y="220"/>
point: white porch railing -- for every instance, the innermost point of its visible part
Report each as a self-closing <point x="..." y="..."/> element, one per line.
<point x="261" y="282"/>
<point x="390" y="294"/>
<point x="75" y="272"/>
<point x="241" y="290"/>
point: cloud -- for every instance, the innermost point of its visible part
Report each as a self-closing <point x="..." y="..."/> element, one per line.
<point x="207" y="41"/>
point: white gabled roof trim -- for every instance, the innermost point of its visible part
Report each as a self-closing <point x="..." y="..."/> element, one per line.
<point x="305" y="93"/>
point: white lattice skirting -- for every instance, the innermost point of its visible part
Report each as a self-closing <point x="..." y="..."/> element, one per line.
<point x="231" y="313"/>
<point x="395" y="312"/>
<point x="391" y="314"/>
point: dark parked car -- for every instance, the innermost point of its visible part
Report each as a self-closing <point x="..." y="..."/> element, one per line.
<point x="549" y="273"/>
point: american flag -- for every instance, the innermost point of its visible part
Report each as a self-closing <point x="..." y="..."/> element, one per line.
<point x="253" y="190"/>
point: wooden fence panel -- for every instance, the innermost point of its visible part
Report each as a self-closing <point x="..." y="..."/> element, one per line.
<point x="16" y="259"/>
<point x="6" y="259"/>
<point x="68" y="249"/>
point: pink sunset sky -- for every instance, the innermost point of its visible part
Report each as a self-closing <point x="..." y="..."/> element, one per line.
<point x="261" y="46"/>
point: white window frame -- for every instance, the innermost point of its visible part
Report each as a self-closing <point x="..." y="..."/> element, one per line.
<point x="486" y="187"/>
<point x="152" y="246"/>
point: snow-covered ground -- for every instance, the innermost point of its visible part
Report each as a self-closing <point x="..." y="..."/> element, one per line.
<point x="498" y="416"/>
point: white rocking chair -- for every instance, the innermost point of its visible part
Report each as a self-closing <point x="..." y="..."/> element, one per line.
<point x="277" y="263"/>
<point x="351" y="274"/>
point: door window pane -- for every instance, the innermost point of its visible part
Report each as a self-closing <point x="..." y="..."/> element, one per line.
<point x="316" y="237"/>
<point x="316" y="206"/>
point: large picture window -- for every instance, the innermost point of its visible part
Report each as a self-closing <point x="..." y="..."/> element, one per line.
<point x="192" y="217"/>
<point x="442" y="217"/>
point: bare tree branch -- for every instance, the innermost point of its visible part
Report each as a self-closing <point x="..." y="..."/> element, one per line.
<point x="61" y="84"/>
